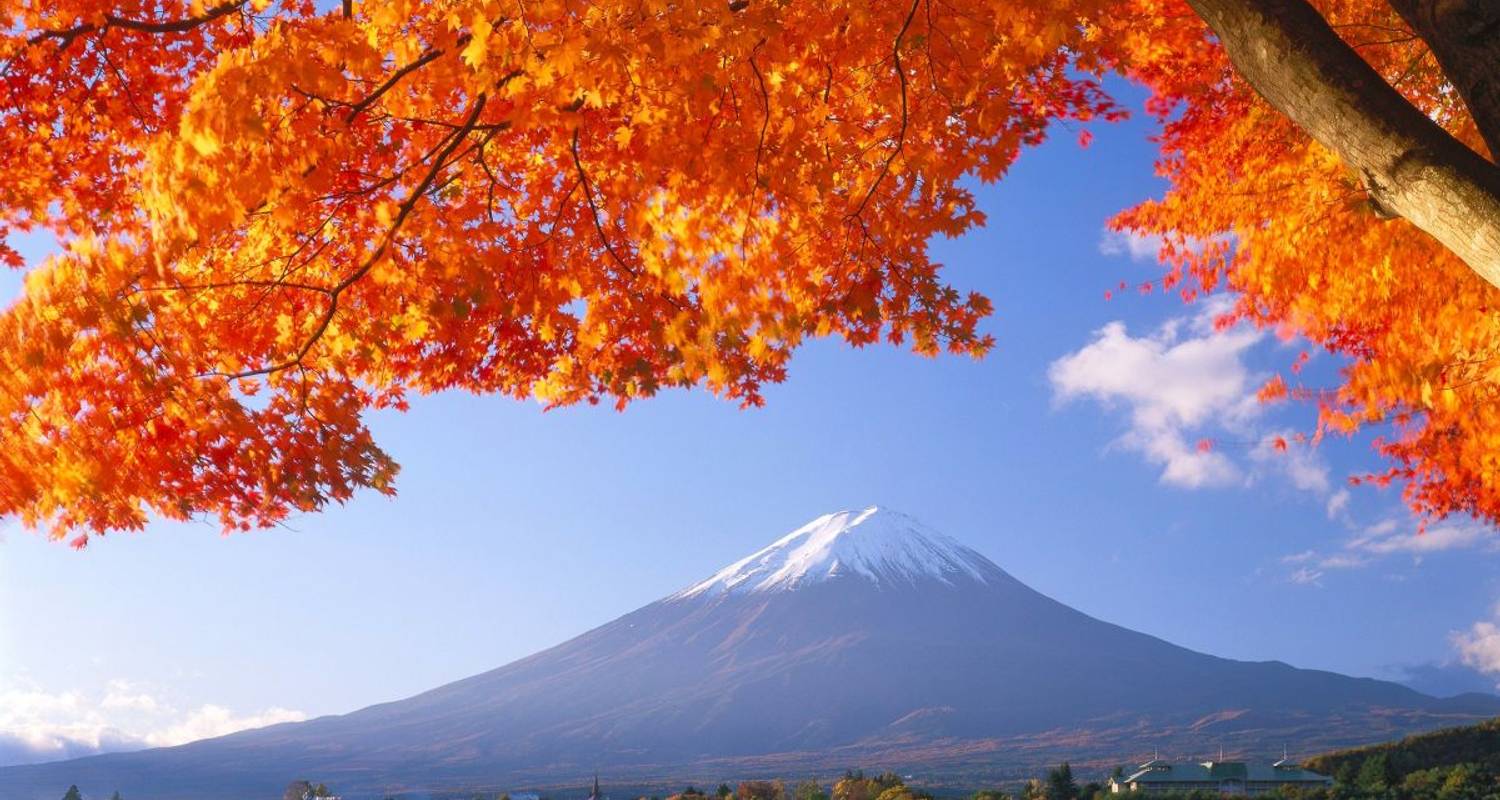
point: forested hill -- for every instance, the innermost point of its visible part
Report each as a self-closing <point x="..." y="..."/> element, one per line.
<point x="1477" y="745"/>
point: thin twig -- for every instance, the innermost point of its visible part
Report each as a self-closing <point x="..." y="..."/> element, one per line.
<point x="900" y="134"/>
<point x="67" y="35"/>
<point x="405" y="209"/>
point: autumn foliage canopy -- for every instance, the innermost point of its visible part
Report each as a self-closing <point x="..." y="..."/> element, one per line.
<point x="280" y="215"/>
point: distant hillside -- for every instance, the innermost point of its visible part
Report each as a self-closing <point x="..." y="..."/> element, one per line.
<point x="1477" y="745"/>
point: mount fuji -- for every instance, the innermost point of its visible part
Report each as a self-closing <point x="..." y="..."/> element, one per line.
<point x="862" y="639"/>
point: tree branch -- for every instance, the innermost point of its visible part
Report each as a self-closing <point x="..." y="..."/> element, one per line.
<point x="67" y="35"/>
<point x="588" y="194"/>
<point x="885" y="168"/>
<point x="1410" y="165"/>
<point x="395" y="78"/>
<point x="441" y="160"/>
<point x="1464" y="35"/>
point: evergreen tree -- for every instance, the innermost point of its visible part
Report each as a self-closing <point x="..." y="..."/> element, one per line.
<point x="1060" y="783"/>
<point x="116" y="796"/>
<point x="73" y="793"/>
<point x="724" y="790"/>
<point x="1375" y="773"/>
<point x="809" y="790"/>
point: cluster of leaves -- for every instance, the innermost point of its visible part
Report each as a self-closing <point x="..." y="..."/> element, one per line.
<point x="281" y="216"/>
<point x="854" y="785"/>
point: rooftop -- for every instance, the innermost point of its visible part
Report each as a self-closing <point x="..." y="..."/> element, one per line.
<point x="1283" y="771"/>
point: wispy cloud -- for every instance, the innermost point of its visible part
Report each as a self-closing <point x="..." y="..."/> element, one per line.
<point x="1338" y="504"/>
<point x="1307" y="576"/>
<point x="1139" y="247"/>
<point x="1146" y="246"/>
<point x="1279" y="451"/>
<point x="1391" y="537"/>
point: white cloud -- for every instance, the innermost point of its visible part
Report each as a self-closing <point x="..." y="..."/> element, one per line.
<point x="1338" y="504"/>
<point x="1479" y="646"/>
<point x="1312" y="566"/>
<point x="1140" y="247"/>
<point x="1184" y="383"/>
<point x="1147" y="246"/>
<point x="209" y="721"/>
<point x="52" y="723"/>
<point x="1343" y="561"/>
<point x="1176" y="387"/>
<point x="122" y="695"/>
<point x="41" y="725"/>
<point x="1307" y="576"/>
<point x="1299" y="462"/>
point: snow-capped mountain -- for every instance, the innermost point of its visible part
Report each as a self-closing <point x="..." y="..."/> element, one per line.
<point x="862" y="639"/>
<point x="875" y="544"/>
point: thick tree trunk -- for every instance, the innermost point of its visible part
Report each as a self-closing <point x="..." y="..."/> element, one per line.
<point x="1464" y="35"/>
<point x="1409" y="164"/>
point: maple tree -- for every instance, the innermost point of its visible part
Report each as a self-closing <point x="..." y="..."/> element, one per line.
<point x="280" y="215"/>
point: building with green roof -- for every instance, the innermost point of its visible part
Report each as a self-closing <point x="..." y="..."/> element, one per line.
<point x="1226" y="777"/>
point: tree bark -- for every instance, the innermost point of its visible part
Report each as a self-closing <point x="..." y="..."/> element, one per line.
<point x="1464" y="36"/>
<point x="1408" y="163"/>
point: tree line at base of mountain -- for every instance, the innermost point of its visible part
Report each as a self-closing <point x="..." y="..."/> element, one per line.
<point x="1478" y="745"/>
<point x="1450" y="764"/>
<point x="1460" y="763"/>
<point x="74" y="794"/>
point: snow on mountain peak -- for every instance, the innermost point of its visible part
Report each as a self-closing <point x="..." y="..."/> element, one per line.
<point x="877" y="544"/>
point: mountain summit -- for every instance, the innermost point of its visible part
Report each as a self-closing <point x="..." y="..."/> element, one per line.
<point x="861" y="639"/>
<point x="876" y="544"/>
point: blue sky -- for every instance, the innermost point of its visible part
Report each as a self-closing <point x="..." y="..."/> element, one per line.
<point x="1065" y="456"/>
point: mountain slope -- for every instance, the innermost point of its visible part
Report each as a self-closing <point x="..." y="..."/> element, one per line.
<point x="860" y="639"/>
